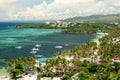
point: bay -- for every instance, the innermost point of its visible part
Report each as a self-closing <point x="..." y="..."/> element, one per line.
<point x="20" y="42"/>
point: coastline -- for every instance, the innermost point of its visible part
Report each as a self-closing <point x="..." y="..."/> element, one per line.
<point x="4" y="75"/>
<point x="3" y="72"/>
<point x="98" y="36"/>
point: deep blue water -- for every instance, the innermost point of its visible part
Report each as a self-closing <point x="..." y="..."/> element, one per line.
<point x="11" y="37"/>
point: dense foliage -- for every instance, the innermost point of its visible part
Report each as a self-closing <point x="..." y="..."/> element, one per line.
<point x="20" y="66"/>
<point x="39" y="25"/>
<point x="84" y="57"/>
<point x="88" y="27"/>
<point x="79" y="63"/>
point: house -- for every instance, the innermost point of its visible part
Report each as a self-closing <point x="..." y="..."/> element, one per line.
<point x="46" y="78"/>
<point x="56" y="78"/>
<point x="115" y="40"/>
<point x="69" y="58"/>
<point x="58" y="70"/>
<point x="97" y="62"/>
<point x="116" y="60"/>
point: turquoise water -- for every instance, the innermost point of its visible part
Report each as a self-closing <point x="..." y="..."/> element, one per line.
<point x="27" y="38"/>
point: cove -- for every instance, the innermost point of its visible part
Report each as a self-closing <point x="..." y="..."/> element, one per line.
<point x="20" y="42"/>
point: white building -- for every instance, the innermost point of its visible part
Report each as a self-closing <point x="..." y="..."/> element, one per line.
<point x="116" y="60"/>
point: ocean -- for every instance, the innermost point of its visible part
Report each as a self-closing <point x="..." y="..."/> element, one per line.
<point x="17" y="42"/>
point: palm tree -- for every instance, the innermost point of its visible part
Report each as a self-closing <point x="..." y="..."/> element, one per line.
<point x="20" y="65"/>
<point x="14" y="73"/>
<point x="117" y="66"/>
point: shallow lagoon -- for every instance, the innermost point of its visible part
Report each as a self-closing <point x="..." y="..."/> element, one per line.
<point x="27" y="38"/>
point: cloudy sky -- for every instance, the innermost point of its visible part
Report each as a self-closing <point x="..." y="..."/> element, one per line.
<point x="11" y="10"/>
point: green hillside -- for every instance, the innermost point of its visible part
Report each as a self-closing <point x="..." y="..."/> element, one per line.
<point x="96" y="18"/>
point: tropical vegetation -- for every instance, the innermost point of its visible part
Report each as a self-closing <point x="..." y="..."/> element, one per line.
<point x="89" y="61"/>
<point x="20" y="66"/>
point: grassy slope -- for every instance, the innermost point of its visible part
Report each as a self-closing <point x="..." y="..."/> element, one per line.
<point x="97" y="18"/>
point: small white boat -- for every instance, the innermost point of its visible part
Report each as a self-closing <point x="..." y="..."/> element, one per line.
<point x="18" y="47"/>
<point x="38" y="45"/>
<point x="59" y="47"/>
<point x="35" y="49"/>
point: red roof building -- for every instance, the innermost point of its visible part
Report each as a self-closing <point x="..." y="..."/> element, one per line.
<point x="116" y="60"/>
<point x="97" y="62"/>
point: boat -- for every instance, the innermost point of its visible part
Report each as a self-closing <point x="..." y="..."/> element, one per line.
<point x="38" y="45"/>
<point x="35" y="49"/>
<point x="59" y="47"/>
<point x="18" y="47"/>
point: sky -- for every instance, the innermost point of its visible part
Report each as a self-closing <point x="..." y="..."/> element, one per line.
<point x="23" y="10"/>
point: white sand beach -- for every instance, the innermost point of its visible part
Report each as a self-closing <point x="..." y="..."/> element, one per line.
<point x="4" y="75"/>
<point x="98" y="36"/>
<point x="33" y="77"/>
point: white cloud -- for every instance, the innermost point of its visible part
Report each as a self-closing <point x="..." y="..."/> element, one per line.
<point x="6" y="1"/>
<point x="60" y="9"/>
<point x="5" y="8"/>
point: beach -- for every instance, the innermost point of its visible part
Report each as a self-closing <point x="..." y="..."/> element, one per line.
<point x="97" y="37"/>
<point x="4" y="74"/>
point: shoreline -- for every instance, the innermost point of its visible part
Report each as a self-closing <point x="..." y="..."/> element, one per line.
<point x="3" y="72"/>
<point x="98" y="36"/>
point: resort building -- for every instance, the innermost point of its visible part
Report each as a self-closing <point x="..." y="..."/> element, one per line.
<point x="116" y="40"/>
<point x="46" y="78"/>
<point x="116" y="60"/>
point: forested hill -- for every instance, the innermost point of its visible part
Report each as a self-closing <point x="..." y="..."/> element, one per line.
<point x="96" y="18"/>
